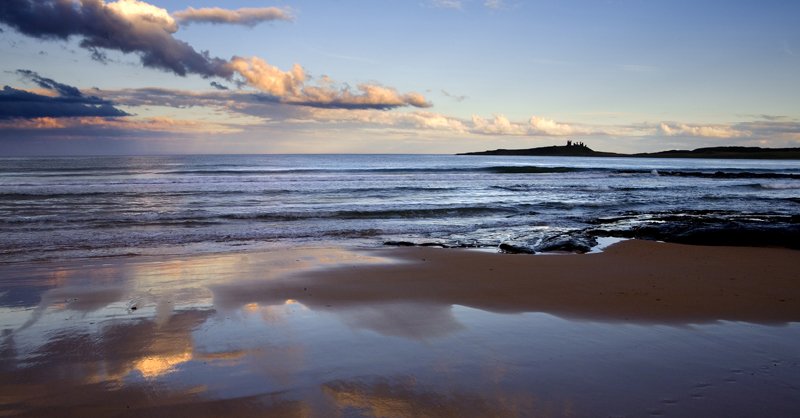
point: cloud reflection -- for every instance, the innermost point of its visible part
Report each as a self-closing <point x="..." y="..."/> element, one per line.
<point x="405" y="397"/>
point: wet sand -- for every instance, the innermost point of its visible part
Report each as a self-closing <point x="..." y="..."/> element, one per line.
<point x="641" y="281"/>
<point x="642" y="329"/>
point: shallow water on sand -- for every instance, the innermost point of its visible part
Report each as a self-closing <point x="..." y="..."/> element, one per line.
<point x="160" y="337"/>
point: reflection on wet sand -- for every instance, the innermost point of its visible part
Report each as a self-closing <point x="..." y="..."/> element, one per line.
<point x="405" y="397"/>
<point x="278" y="335"/>
<point x="121" y="372"/>
<point x="416" y="321"/>
<point x="107" y="334"/>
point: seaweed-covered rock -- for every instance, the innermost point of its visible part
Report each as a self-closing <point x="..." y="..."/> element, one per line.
<point x="514" y="249"/>
<point x="400" y="244"/>
<point x="571" y="243"/>
<point x="735" y="230"/>
<point x="415" y="244"/>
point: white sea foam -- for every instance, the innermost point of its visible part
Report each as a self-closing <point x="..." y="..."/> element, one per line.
<point x="785" y="185"/>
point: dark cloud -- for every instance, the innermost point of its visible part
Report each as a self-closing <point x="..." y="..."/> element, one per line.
<point x="130" y="27"/>
<point x="773" y="117"/>
<point x="69" y="102"/>
<point x="50" y="84"/>
<point x="454" y="97"/>
<point x="218" y="86"/>
<point x="770" y="128"/>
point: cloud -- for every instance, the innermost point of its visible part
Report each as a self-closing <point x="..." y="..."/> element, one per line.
<point x="268" y="78"/>
<point x="542" y="126"/>
<point x="34" y="123"/>
<point x="703" y="131"/>
<point x="453" y="96"/>
<point x="50" y="84"/>
<point x="290" y="87"/>
<point x="403" y="120"/>
<point x="68" y="101"/>
<point x="536" y="126"/>
<point x="499" y="125"/>
<point x="129" y="26"/>
<point x="254" y="104"/>
<point x="447" y="4"/>
<point x="245" y="16"/>
<point x="250" y="114"/>
<point x="133" y="26"/>
<point x="218" y="86"/>
<point x="269" y="109"/>
<point x="118" y="127"/>
<point x="787" y="130"/>
<point x="494" y="4"/>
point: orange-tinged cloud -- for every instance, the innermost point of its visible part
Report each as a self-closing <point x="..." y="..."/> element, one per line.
<point x="161" y="124"/>
<point x="268" y="78"/>
<point x="290" y="87"/>
<point x="35" y="123"/>
<point x="153" y="124"/>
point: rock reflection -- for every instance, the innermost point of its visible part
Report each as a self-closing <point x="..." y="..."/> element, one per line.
<point x="76" y="298"/>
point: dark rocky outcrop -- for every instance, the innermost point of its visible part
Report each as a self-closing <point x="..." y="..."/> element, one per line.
<point x="581" y="150"/>
<point x="711" y="229"/>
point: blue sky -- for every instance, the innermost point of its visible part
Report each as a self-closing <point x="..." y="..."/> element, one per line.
<point x="403" y="76"/>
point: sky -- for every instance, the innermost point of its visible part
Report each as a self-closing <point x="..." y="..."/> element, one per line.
<point x="85" y="77"/>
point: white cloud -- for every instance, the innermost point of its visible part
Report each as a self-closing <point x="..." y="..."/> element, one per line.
<point x="138" y="12"/>
<point x="499" y="125"/>
<point x="494" y="4"/>
<point x="550" y="127"/>
<point x="703" y="131"/>
<point x="448" y="4"/>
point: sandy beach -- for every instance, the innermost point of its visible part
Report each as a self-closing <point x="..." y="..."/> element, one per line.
<point x="641" y="329"/>
<point x="638" y="281"/>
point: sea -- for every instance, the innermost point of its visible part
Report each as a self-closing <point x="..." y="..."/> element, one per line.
<point x="68" y="207"/>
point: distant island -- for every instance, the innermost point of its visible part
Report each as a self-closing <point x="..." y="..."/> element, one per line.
<point x="579" y="149"/>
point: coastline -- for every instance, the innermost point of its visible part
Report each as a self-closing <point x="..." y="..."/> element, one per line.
<point x="403" y="332"/>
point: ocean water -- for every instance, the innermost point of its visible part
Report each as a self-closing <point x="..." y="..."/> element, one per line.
<point x="58" y="208"/>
